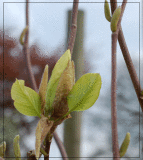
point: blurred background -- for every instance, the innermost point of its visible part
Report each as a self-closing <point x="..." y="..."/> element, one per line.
<point x="48" y="34"/>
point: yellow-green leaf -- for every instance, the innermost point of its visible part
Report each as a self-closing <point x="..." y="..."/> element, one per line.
<point x="16" y="148"/>
<point x="26" y="100"/>
<point x="125" y="144"/>
<point x="85" y="92"/>
<point x="56" y="73"/>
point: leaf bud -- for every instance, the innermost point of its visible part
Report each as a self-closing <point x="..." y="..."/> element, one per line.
<point x="66" y="82"/>
<point x="107" y="11"/>
<point x="115" y="19"/>
<point x="125" y="145"/>
<point x="22" y="35"/>
<point x="16" y="148"/>
<point x="59" y="68"/>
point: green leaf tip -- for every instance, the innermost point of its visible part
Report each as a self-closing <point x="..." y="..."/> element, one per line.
<point x="26" y="100"/>
<point x="115" y="19"/>
<point x="55" y="77"/>
<point x="43" y="88"/>
<point x="85" y="92"/>
<point x="125" y="145"/>
<point x="22" y="35"/>
<point x="2" y="149"/>
<point x="16" y="148"/>
<point x="107" y="11"/>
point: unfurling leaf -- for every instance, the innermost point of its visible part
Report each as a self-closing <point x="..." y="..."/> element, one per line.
<point x="22" y="35"/>
<point x="115" y="19"/>
<point x="65" y="85"/>
<point x="43" y="127"/>
<point x="43" y="88"/>
<point x="16" y="148"/>
<point x="107" y="11"/>
<point x="2" y="149"/>
<point x="26" y="100"/>
<point x="85" y="92"/>
<point x="125" y="145"/>
<point x="53" y="82"/>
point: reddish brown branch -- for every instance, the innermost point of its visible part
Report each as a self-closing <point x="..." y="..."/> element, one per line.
<point x="58" y="141"/>
<point x="30" y="154"/>
<point x="130" y="67"/>
<point x="115" y="145"/>
<point x="128" y="59"/>
<point x="26" y="51"/>
<point x="73" y="27"/>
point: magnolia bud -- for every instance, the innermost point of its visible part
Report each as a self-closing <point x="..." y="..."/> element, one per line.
<point x="115" y="19"/>
<point x="22" y="35"/>
<point x="59" y="68"/>
<point x="107" y="11"/>
<point x="65" y="85"/>
<point x="125" y="145"/>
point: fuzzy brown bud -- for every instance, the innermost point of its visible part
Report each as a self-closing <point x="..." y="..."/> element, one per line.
<point x="65" y="85"/>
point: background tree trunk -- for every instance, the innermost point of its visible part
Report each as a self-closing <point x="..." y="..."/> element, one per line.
<point x="72" y="127"/>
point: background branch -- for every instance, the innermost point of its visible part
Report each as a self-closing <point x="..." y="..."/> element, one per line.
<point x="28" y="64"/>
<point x="73" y="27"/>
<point x="115" y="145"/>
<point x="58" y="141"/>
<point x="128" y="60"/>
<point x="26" y="51"/>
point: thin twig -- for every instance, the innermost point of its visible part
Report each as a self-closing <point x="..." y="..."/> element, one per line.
<point x="73" y="27"/>
<point x="58" y="141"/>
<point x="26" y="51"/>
<point x="28" y="64"/>
<point x="32" y="78"/>
<point x="115" y="145"/>
<point x="128" y="59"/>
